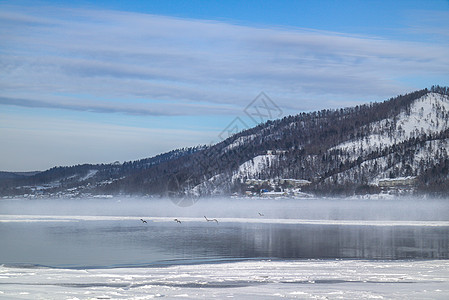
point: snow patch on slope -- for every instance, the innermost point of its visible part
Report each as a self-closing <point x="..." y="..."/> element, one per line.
<point x="90" y="174"/>
<point x="249" y="169"/>
<point x="252" y="168"/>
<point x="431" y="152"/>
<point x="239" y="141"/>
<point x="428" y="114"/>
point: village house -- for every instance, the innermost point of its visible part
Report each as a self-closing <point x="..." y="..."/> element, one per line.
<point x="398" y="182"/>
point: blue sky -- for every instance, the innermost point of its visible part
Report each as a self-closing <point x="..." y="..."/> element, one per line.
<point x="99" y="81"/>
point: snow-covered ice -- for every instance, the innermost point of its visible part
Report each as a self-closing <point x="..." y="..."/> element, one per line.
<point x="262" y="279"/>
<point x="55" y="218"/>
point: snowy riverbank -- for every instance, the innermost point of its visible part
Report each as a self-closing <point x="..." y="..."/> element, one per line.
<point x="304" y="279"/>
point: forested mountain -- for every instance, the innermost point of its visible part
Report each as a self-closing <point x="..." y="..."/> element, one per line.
<point x="348" y="150"/>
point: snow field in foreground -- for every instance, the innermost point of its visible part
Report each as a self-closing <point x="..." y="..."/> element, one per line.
<point x="304" y="279"/>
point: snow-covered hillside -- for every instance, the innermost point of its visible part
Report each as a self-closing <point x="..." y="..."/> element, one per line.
<point x="426" y="115"/>
<point x="373" y="170"/>
<point x="253" y="167"/>
<point x="335" y="150"/>
<point x="239" y="141"/>
<point x="405" y="144"/>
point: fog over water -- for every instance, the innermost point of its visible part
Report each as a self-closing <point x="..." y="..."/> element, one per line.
<point x="92" y="232"/>
<point x="412" y="209"/>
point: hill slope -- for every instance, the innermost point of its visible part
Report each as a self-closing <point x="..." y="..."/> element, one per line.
<point x="338" y="151"/>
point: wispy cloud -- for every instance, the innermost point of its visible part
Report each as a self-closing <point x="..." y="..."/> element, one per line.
<point x="430" y="24"/>
<point x="32" y="142"/>
<point x="191" y="67"/>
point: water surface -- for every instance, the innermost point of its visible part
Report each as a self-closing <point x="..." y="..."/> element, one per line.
<point x="88" y="233"/>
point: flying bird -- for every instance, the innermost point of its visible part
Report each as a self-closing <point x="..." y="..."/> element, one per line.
<point x="177" y="221"/>
<point x="261" y="214"/>
<point x="211" y="220"/>
<point x="143" y="221"/>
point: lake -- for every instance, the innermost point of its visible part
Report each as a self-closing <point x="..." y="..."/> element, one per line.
<point x="258" y="249"/>
<point x="105" y="233"/>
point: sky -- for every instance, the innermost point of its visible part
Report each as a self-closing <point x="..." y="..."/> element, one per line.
<point x="104" y="81"/>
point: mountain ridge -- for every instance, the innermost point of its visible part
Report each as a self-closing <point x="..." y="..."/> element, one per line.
<point x="345" y="151"/>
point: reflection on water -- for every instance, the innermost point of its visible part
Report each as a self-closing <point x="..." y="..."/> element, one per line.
<point x="364" y="242"/>
<point x="126" y="242"/>
<point x="113" y="243"/>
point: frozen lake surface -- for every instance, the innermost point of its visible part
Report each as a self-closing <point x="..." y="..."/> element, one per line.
<point x="303" y="279"/>
<point x="315" y="248"/>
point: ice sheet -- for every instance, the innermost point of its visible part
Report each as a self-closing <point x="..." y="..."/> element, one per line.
<point x="306" y="279"/>
<point x="60" y="218"/>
